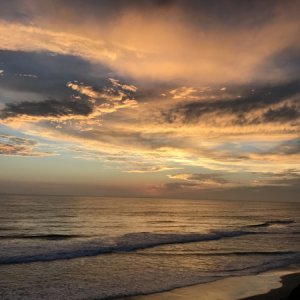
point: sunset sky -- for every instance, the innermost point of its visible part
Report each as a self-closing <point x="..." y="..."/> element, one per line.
<point x="187" y="99"/>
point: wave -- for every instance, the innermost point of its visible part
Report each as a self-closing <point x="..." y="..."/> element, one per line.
<point x="234" y="253"/>
<point x="251" y="270"/>
<point x="271" y="223"/>
<point x="7" y="228"/>
<point x="76" y="246"/>
<point x="40" y="237"/>
<point x="126" y="243"/>
<point x="293" y="258"/>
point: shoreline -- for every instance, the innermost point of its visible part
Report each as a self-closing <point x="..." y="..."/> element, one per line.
<point x="276" y="284"/>
<point x="290" y="289"/>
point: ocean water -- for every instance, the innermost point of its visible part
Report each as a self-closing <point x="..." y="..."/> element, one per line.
<point x="103" y="248"/>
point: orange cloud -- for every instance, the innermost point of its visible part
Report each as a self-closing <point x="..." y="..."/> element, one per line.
<point x="164" y="45"/>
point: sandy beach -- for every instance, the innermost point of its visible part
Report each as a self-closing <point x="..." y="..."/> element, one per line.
<point x="290" y="290"/>
<point x="272" y="285"/>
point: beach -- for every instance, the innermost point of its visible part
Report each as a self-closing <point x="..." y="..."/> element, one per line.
<point x="98" y="248"/>
<point x="288" y="291"/>
<point x="281" y="284"/>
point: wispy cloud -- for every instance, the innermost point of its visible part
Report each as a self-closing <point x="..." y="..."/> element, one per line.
<point x="12" y="145"/>
<point x="151" y="169"/>
<point x="201" y="180"/>
<point x="289" y="177"/>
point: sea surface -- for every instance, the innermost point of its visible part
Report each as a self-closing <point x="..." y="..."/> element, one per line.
<point x="103" y="248"/>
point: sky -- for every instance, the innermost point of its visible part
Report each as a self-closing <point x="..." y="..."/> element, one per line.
<point x="157" y="98"/>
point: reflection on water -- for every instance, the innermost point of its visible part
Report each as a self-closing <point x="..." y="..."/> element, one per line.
<point x="131" y="246"/>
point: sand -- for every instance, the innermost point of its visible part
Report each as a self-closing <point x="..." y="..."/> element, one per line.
<point x="271" y="285"/>
<point x="290" y="290"/>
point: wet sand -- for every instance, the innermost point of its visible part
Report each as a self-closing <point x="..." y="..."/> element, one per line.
<point x="271" y="285"/>
<point x="290" y="290"/>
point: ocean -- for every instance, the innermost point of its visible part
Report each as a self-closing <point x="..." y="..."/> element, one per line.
<point x="63" y="247"/>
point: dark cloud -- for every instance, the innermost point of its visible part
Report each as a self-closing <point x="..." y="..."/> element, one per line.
<point x="287" y="192"/>
<point x="86" y="104"/>
<point x="172" y="186"/>
<point x="230" y="12"/>
<point x="204" y="177"/>
<point x="99" y="11"/>
<point x="12" y="10"/>
<point x="277" y="186"/>
<point x="49" y="65"/>
<point x="261" y="98"/>
<point x="12" y="145"/>
<point x="282" y="114"/>
<point x="287" y="178"/>
<point x="287" y="60"/>
<point x="47" y="108"/>
<point x="52" y="71"/>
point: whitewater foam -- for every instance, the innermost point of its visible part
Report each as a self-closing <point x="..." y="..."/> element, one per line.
<point x="92" y="246"/>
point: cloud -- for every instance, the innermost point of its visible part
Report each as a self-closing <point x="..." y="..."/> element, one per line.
<point x="279" y="104"/>
<point x="88" y="105"/>
<point x="134" y="133"/>
<point x="126" y="87"/>
<point x="284" y="113"/>
<point x="33" y="76"/>
<point x="290" y="147"/>
<point x="289" y="173"/>
<point x="16" y="146"/>
<point x="49" y="108"/>
<point x="286" y="153"/>
<point x="31" y="38"/>
<point x="199" y="177"/>
<point x="172" y="42"/>
<point x="121" y="93"/>
<point x="289" y="177"/>
<point x="184" y="93"/>
<point x="200" y="181"/>
<point x="263" y="185"/>
<point x="150" y="169"/>
<point x="206" y="86"/>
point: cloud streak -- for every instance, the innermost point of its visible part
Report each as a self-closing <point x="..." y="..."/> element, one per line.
<point x="200" y="181"/>
<point x="16" y="146"/>
<point x="151" y="169"/>
<point x="49" y="108"/>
